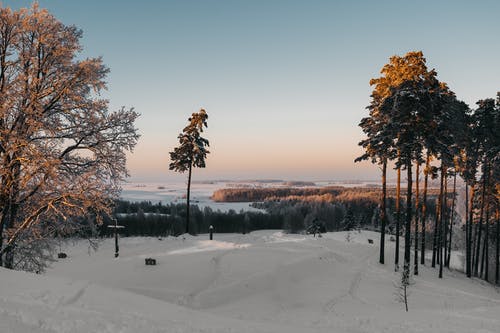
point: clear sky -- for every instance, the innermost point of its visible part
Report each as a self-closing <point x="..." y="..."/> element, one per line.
<point x="284" y="83"/>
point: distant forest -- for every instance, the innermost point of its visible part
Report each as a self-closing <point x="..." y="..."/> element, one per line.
<point x="291" y="209"/>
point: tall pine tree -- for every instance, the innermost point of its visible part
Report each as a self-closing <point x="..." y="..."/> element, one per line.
<point x="191" y="151"/>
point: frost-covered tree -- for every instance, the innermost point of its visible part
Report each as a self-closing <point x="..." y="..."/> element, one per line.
<point x="405" y="101"/>
<point x="191" y="151"/>
<point x="384" y="134"/>
<point x="62" y="152"/>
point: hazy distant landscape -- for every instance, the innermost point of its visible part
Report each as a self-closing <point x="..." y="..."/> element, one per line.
<point x="175" y="192"/>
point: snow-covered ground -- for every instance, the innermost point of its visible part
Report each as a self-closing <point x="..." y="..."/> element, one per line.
<point x="265" y="281"/>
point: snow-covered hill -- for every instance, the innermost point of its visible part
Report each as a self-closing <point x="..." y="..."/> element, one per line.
<point x="265" y="281"/>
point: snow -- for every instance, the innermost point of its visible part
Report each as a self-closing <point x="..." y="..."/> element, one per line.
<point x="265" y="281"/>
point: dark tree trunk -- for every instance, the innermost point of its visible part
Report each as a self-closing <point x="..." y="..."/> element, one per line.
<point x="441" y="220"/>
<point x="398" y="219"/>
<point x="483" y="249"/>
<point x="444" y="220"/>
<point x="188" y="198"/>
<point x="468" y="227"/>
<point x="408" y="217"/>
<point x="11" y="213"/>
<point x="436" y="232"/>
<point x="452" y="217"/>
<point x="424" y="209"/>
<point x="417" y="218"/>
<point x="383" y="216"/>
<point x="9" y="250"/>
<point x="474" y="242"/>
<point x="485" y="259"/>
<point x="117" y="248"/>
<point x="487" y="234"/>
<point x="497" y="250"/>
<point x="480" y="224"/>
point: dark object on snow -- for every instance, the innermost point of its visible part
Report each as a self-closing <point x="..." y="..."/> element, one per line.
<point x="370" y="241"/>
<point x="116" y="227"/>
<point x="211" y="230"/>
<point x="62" y="255"/>
<point x="392" y="239"/>
<point x="150" y="262"/>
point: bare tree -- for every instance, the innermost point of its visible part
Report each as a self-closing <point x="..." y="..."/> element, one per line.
<point x="62" y="152"/>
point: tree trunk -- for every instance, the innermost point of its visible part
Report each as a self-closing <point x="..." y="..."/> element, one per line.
<point x="11" y="210"/>
<point x="188" y="197"/>
<point x="441" y="220"/>
<point x="474" y="243"/>
<point x="424" y="209"/>
<point x="398" y="219"/>
<point x="481" y="264"/>
<point x="408" y="217"/>
<point x="485" y="259"/>
<point x="480" y="224"/>
<point x="436" y="232"/>
<point x="9" y="251"/>
<point x="383" y="216"/>
<point x="417" y="218"/>
<point x="497" y="252"/>
<point x="452" y="217"/>
<point x="468" y="229"/>
<point x="117" y="248"/>
<point x="487" y="233"/>
<point x="444" y="219"/>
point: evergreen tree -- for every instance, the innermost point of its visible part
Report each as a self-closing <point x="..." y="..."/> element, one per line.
<point x="487" y="117"/>
<point x="191" y="151"/>
<point x="412" y="105"/>
<point x="377" y="147"/>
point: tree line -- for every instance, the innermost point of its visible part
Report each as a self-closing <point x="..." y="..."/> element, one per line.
<point x="326" y="193"/>
<point x="416" y="122"/>
<point x="292" y="214"/>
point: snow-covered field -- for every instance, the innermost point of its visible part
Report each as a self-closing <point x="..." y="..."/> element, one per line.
<point x="265" y="281"/>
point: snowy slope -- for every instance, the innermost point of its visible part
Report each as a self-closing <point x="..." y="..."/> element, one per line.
<point x="265" y="281"/>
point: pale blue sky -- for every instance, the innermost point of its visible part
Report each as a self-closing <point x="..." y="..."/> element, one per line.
<point x="285" y="83"/>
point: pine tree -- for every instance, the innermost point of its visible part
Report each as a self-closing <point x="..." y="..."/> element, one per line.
<point x="377" y="147"/>
<point x="467" y="167"/>
<point x="191" y="152"/>
<point x="413" y="106"/>
<point x="379" y="127"/>
<point x="486" y="118"/>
